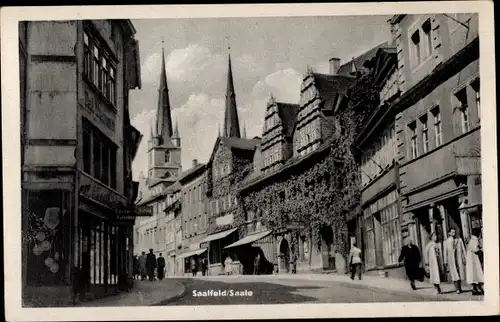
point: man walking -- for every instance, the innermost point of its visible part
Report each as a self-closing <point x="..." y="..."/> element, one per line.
<point x="355" y="260"/>
<point x="142" y="266"/>
<point x="151" y="265"/>
<point x="161" y="267"/>
<point x="455" y="258"/>
<point x="410" y="256"/>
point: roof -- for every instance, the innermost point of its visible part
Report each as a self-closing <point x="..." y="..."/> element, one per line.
<point x="359" y="61"/>
<point x="249" y="239"/>
<point x="288" y="114"/>
<point x="194" y="170"/>
<point x="218" y="235"/>
<point x="332" y="87"/>
<point x="396" y="19"/>
<point x="239" y="143"/>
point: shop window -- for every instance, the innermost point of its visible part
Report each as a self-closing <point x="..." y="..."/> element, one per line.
<point x="43" y="237"/>
<point x="391" y="234"/>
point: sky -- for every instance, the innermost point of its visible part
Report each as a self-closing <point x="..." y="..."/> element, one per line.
<point x="268" y="55"/>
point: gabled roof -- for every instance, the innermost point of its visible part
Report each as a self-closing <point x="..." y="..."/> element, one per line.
<point x="235" y="144"/>
<point x="346" y="68"/>
<point x="331" y="86"/>
<point x="382" y="63"/>
<point x="288" y="115"/>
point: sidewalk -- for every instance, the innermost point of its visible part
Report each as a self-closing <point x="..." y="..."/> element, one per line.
<point x="144" y="293"/>
<point x="424" y="289"/>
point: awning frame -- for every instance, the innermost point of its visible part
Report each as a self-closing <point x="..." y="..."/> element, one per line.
<point x="260" y="235"/>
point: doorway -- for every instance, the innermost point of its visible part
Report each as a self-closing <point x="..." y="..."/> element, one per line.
<point x="284" y="256"/>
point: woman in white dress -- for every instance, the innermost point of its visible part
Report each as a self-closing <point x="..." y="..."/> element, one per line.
<point x="227" y="265"/>
<point x="432" y="262"/>
<point x="473" y="269"/>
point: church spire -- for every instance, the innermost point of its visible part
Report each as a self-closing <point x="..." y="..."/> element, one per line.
<point x="163" y="117"/>
<point x="231" y="121"/>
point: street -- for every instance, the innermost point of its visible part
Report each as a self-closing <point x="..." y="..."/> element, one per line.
<point x="272" y="290"/>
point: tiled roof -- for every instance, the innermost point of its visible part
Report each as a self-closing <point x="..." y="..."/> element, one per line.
<point x="190" y="171"/>
<point x="288" y="114"/>
<point x="346" y="68"/>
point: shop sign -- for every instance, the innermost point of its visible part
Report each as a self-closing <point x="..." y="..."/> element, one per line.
<point x="293" y="225"/>
<point x="140" y="211"/>
<point x="100" y="193"/>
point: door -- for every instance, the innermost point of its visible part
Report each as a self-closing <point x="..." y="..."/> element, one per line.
<point x="379" y="253"/>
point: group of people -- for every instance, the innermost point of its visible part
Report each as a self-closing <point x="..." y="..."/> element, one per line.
<point x="203" y="263"/>
<point x="460" y="262"/>
<point x="146" y="265"/>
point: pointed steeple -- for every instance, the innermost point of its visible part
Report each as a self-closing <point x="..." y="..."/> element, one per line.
<point x="231" y="121"/>
<point x="175" y="136"/>
<point x="163" y="115"/>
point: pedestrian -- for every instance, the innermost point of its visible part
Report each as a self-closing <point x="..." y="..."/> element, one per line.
<point x="256" y="265"/>
<point x="474" y="271"/>
<point x="432" y="256"/>
<point x="194" y="267"/>
<point x="454" y="259"/>
<point x="151" y="265"/>
<point x="204" y="266"/>
<point x="227" y="265"/>
<point x="410" y="257"/>
<point x="160" y="262"/>
<point x="135" y="264"/>
<point x="355" y="260"/>
<point x="142" y="266"/>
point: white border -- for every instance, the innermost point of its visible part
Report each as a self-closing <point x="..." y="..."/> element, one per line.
<point x="11" y="161"/>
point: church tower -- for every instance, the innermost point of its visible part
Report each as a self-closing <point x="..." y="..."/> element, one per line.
<point x="231" y="121"/>
<point x="164" y="146"/>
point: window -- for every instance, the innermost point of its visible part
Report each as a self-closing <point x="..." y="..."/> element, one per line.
<point x="391" y="234"/>
<point x="413" y="139"/>
<point x="475" y="87"/>
<point x="96" y="66"/>
<point x="99" y="157"/>
<point x="426" y="28"/>
<point x="461" y="99"/>
<point x="415" y="38"/>
<point x="425" y="134"/>
<point x="167" y="156"/>
<point x="87" y="62"/>
<point x="437" y="126"/>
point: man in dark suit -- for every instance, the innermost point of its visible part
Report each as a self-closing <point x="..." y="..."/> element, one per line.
<point x="410" y="256"/>
<point x="161" y="267"/>
<point x="151" y="265"/>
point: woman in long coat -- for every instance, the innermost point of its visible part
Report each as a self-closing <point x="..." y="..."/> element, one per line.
<point x="454" y="254"/>
<point x="227" y="265"/>
<point x="432" y="264"/>
<point x="473" y="269"/>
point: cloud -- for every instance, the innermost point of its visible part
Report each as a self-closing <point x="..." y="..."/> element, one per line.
<point x="284" y="84"/>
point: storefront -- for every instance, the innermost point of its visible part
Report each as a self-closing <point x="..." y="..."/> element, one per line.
<point x="215" y="244"/>
<point x="382" y="232"/>
<point x="191" y="258"/>
<point x="246" y="250"/>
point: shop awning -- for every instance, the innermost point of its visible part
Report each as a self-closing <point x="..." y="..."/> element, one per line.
<point x="249" y="239"/>
<point x="192" y="253"/>
<point x="217" y="236"/>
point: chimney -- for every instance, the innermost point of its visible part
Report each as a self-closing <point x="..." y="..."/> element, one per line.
<point x="334" y="65"/>
<point x="195" y="162"/>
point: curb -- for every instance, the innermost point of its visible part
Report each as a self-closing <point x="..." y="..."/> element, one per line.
<point x="172" y="298"/>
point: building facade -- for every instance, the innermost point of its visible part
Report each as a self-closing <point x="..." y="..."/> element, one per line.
<point x="438" y="124"/>
<point x="194" y="216"/>
<point x="78" y="146"/>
